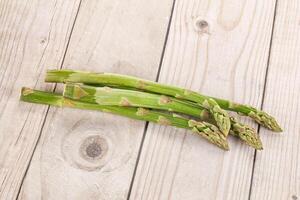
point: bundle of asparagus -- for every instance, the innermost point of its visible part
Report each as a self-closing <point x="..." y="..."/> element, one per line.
<point x="150" y="101"/>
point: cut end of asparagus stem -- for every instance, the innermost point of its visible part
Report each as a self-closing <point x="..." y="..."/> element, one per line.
<point x="221" y="116"/>
<point x="26" y="91"/>
<point x="246" y="133"/>
<point x="266" y="120"/>
<point x="210" y="132"/>
<point x="74" y="91"/>
<point x="58" y="76"/>
<point x="35" y="96"/>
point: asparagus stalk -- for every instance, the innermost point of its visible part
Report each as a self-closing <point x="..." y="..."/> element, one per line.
<point x="122" y="97"/>
<point x="210" y="103"/>
<point x="204" y="129"/>
<point x="221" y="117"/>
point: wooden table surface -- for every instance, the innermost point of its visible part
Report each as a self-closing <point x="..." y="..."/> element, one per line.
<point x="244" y="50"/>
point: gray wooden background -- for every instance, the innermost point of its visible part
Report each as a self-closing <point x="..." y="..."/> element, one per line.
<point x="244" y="50"/>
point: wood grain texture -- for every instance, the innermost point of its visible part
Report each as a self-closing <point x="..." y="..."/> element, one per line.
<point x="33" y="36"/>
<point x="92" y="155"/>
<point x="277" y="171"/>
<point x="219" y="48"/>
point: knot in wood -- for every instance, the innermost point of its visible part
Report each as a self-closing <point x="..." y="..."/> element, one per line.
<point x="93" y="148"/>
<point x="87" y="149"/>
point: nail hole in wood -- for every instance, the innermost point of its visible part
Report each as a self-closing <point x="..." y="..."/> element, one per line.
<point x="201" y="25"/>
<point x="294" y="197"/>
<point x="43" y="41"/>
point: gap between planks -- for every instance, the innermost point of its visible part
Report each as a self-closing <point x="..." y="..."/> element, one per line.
<point x="156" y="79"/>
<point x="263" y="80"/>
<point x="48" y="107"/>
<point x="110" y="61"/>
<point x="264" y="94"/>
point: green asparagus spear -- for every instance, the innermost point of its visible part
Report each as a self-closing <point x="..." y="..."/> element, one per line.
<point x="221" y="116"/>
<point x="122" y="97"/>
<point x="204" y="129"/>
<point x="259" y="116"/>
<point x="210" y="103"/>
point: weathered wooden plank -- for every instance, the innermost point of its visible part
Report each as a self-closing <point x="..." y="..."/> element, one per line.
<point x="220" y="48"/>
<point x="277" y="172"/>
<point x="33" y="36"/>
<point x="92" y="155"/>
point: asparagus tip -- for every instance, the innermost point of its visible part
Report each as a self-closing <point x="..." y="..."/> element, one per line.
<point x="276" y="127"/>
<point x="257" y="144"/>
<point x="210" y="132"/>
<point x="246" y="133"/>
<point x="224" y="125"/>
<point x="266" y="120"/>
<point x="221" y="116"/>
<point x="226" y="146"/>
